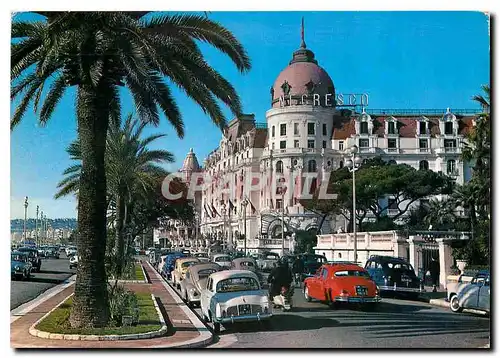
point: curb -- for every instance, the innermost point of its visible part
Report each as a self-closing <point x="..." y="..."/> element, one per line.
<point x="86" y="337"/>
<point x="206" y="336"/>
<point x="25" y="308"/>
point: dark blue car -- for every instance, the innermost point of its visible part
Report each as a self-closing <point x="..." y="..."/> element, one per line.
<point x="168" y="267"/>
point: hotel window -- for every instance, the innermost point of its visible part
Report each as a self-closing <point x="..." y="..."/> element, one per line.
<point x="392" y="204"/>
<point x="450" y="143"/>
<point x="364" y="143"/>
<point x="324" y="144"/>
<point x="296" y="129"/>
<point x="311" y="166"/>
<point x="296" y="143"/>
<point x="451" y="167"/>
<point x="423" y="165"/>
<point x="448" y="128"/>
<point x="341" y="145"/>
<point x="283" y="129"/>
<point x="423" y="128"/>
<point x="341" y="164"/>
<point x="283" y="144"/>
<point x="364" y="127"/>
<point x="422" y="144"/>
<point x="272" y="146"/>
<point x="272" y="131"/>
<point x="391" y="143"/>
<point x="310" y="143"/>
<point x="310" y="129"/>
<point x="279" y="166"/>
<point x="391" y="127"/>
<point x="324" y="128"/>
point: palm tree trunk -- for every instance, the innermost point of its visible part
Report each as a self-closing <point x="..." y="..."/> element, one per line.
<point x="90" y="303"/>
<point x="119" y="240"/>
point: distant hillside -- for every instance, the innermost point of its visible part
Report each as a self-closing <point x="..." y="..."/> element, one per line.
<point x="17" y="225"/>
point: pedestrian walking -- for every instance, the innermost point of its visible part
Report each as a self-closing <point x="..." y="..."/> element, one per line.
<point x="434" y="270"/>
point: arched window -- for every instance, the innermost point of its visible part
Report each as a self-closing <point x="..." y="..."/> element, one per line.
<point x="392" y="162"/>
<point x="451" y="167"/>
<point x="272" y="131"/>
<point x="279" y="166"/>
<point x="423" y="165"/>
<point x="311" y="166"/>
<point x="341" y="164"/>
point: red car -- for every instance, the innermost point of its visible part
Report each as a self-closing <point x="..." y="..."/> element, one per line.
<point x="335" y="283"/>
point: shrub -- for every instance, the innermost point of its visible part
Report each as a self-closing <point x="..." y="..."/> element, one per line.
<point x="123" y="303"/>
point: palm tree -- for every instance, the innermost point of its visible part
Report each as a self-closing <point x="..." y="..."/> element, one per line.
<point x="440" y="214"/>
<point x="130" y="170"/>
<point x="98" y="53"/>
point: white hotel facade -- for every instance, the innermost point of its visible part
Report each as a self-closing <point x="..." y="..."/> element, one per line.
<point x="308" y="129"/>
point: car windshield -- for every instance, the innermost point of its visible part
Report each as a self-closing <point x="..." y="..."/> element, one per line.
<point x="29" y="252"/>
<point x="316" y="259"/>
<point x="188" y="263"/>
<point x="222" y="259"/>
<point x="202" y="274"/>
<point x="17" y="257"/>
<point x="399" y="266"/>
<point x="236" y="284"/>
<point x="272" y="257"/>
<point x="352" y="273"/>
<point x="247" y="264"/>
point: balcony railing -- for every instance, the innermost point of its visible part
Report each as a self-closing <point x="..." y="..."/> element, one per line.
<point x="392" y="150"/>
<point x="450" y="149"/>
<point x="423" y="150"/>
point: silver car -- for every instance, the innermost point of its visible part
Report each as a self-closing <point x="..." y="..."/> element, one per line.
<point x="474" y="295"/>
<point x="196" y="280"/>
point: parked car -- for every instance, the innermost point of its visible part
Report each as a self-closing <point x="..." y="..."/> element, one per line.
<point x="181" y="266"/>
<point x="336" y="283"/>
<point x="169" y="265"/>
<point x="33" y="256"/>
<point x="203" y="257"/>
<point x="267" y="261"/>
<point x="234" y="296"/>
<point x="244" y="263"/>
<point x="20" y="265"/>
<point x="475" y="295"/>
<point x="224" y="260"/>
<point x="312" y="263"/>
<point x="452" y="287"/>
<point x="196" y="280"/>
<point x="394" y="274"/>
<point x="52" y="251"/>
<point x="41" y="251"/>
<point x="70" y="251"/>
<point x="73" y="261"/>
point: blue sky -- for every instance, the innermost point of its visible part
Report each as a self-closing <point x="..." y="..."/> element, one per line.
<point x="401" y="59"/>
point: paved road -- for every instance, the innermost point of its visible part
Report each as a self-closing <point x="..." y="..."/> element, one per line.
<point x="396" y="323"/>
<point x="54" y="272"/>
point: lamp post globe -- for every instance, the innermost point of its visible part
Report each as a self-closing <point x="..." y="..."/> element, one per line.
<point x="349" y="163"/>
<point x="358" y="161"/>
<point x="353" y="149"/>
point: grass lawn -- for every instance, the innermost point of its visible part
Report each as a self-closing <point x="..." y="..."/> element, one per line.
<point x="58" y="320"/>
<point x="139" y="275"/>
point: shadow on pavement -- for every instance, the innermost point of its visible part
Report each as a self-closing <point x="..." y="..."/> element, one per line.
<point x="57" y="272"/>
<point x="425" y="324"/>
<point x="55" y="281"/>
<point x="282" y="323"/>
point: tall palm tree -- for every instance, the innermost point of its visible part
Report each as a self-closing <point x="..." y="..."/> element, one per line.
<point x="440" y="214"/>
<point x="130" y="170"/>
<point x="99" y="52"/>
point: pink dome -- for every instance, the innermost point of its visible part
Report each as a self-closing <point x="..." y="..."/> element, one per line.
<point x="303" y="78"/>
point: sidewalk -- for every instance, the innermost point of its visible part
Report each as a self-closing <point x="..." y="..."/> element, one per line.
<point x="185" y="330"/>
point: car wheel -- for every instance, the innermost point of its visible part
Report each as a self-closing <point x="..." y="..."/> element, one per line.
<point x="455" y="305"/>
<point x="306" y="294"/>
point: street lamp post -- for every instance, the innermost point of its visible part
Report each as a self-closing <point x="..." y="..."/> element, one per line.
<point x="224" y="241"/>
<point x="25" y="215"/>
<point x="353" y="165"/>
<point x="244" y="203"/>
<point x="41" y="227"/>
<point x="36" y="227"/>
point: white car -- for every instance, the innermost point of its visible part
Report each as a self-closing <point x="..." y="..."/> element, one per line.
<point x="234" y="296"/>
<point x="474" y="295"/>
<point x="70" y="251"/>
<point x="222" y="260"/>
<point x="73" y="261"/>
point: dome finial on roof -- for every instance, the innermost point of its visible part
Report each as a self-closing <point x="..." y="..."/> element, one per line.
<point x="302" y="43"/>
